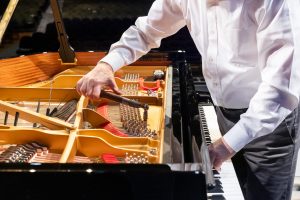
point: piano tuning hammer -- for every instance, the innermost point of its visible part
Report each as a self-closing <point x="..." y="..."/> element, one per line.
<point x="123" y="100"/>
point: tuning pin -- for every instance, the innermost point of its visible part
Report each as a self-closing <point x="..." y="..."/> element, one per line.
<point x="47" y="111"/>
<point x="16" y="118"/>
<point x="153" y="151"/>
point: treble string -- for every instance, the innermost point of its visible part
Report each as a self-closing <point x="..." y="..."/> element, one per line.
<point x="50" y="98"/>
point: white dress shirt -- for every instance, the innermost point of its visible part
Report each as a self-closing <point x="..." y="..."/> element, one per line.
<point x="247" y="50"/>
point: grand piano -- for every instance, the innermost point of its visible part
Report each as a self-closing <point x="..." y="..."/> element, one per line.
<point x="55" y="143"/>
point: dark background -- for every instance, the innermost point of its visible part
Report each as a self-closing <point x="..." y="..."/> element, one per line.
<point x="92" y="25"/>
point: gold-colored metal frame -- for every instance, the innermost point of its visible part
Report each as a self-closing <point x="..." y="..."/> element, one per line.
<point x="42" y="77"/>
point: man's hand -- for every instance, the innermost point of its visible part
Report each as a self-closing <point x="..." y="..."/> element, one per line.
<point x="102" y="75"/>
<point x="219" y="151"/>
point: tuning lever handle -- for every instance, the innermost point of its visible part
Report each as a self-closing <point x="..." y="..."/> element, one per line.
<point x="123" y="100"/>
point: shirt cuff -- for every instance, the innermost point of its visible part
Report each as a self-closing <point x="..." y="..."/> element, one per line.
<point x="237" y="137"/>
<point x="114" y="59"/>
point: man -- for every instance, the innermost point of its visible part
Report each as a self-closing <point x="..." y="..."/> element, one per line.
<point x="247" y="50"/>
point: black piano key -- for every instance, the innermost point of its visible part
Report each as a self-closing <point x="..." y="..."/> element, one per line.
<point x="216" y="197"/>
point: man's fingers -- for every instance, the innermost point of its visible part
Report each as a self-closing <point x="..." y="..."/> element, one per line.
<point x="96" y="92"/>
<point x="114" y="87"/>
<point x="78" y="86"/>
<point x="90" y="87"/>
<point x="218" y="169"/>
<point x="83" y="89"/>
<point x="215" y="156"/>
<point x="217" y="165"/>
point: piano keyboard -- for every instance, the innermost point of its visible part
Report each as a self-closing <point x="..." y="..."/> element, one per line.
<point x="227" y="185"/>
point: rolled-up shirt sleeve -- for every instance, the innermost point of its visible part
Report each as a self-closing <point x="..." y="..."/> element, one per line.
<point x="164" y="19"/>
<point x="278" y="94"/>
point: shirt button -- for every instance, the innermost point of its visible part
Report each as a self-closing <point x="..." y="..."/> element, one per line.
<point x="210" y="59"/>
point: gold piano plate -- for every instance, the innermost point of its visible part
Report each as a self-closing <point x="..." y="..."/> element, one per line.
<point x="41" y="109"/>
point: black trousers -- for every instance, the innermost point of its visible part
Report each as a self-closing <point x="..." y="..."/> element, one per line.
<point x="266" y="166"/>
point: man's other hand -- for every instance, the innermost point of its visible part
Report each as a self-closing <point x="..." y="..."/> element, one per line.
<point x="219" y="151"/>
